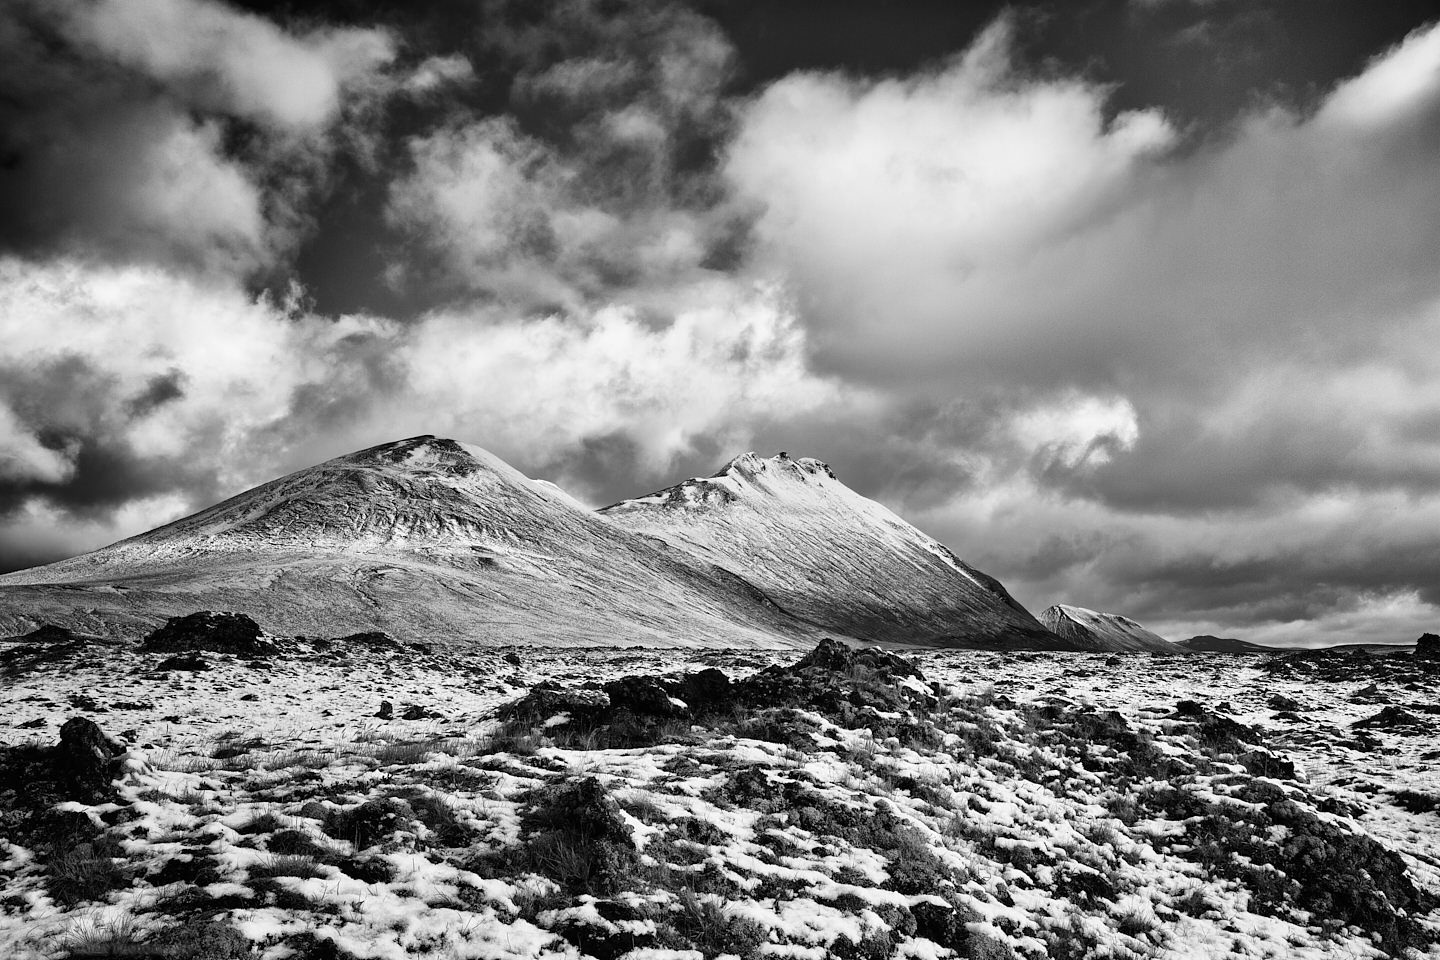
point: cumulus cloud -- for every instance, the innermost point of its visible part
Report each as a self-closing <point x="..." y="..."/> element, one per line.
<point x="129" y="393"/>
<point x="1170" y="340"/>
<point x="124" y="124"/>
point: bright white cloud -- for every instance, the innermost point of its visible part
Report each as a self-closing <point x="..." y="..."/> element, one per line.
<point x="270" y="390"/>
<point x="541" y="386"/>
<point x="1077" y="431"/>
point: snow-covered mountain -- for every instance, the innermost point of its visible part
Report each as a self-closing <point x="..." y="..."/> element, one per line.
<point x="427" y="539"/>
<point x="1090" y="630"/>
<point x="433" y="540"/>
<point x="829" y="556"/>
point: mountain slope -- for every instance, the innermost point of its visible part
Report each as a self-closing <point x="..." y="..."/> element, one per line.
<point x="427" y="539"/>
<point x="1090" y="630"/>
<point x="830" y="556"/>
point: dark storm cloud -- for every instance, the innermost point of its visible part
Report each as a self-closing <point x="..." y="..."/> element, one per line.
<point x="172" y="131"/>
<point x="68" y="405"/>
<point x="160" y="390"/>
<point x="598" y="180"/>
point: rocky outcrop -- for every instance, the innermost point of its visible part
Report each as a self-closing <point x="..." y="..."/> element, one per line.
<point x="216" y="632"/>
<point x="1428" y="648"/>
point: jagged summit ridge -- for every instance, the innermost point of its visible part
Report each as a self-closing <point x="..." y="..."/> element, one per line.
<point x="748" y="475"/>
<point x="1093" y="630"/>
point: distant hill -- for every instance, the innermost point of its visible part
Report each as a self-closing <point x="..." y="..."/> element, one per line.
<point x="1208" y="644"/>
<point x="1107" y="632"/>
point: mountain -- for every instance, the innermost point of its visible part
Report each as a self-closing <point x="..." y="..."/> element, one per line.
<point x="1209" y="644"/>
<point x="830" y="557"/>
<point x="426" y="539"/>
<point x="1103" y="631"/>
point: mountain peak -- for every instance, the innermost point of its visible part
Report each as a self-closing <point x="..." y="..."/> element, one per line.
<point x="1094" y="630"/>
<point x="755" y="468"/>
<point x="828" y="555"/>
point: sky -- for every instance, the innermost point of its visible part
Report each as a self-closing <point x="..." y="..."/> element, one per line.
<point x="1135" y="304"/>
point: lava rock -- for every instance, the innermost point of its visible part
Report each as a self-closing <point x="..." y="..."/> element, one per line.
<point x="185" y="661"/>
<point x="836" y="657"/>
<point x="701" y="690"/>
<point x="548" y="698"/>
<point x="642" y="696"/>
<point x="86" y="761"/>
<point x="1390" y="718"/>
<point x="216" y="632"/>
<point x="376" y="639"/>
<point x="1428" y="648"/>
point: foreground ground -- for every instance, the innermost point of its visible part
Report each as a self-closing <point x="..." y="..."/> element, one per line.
<point x="367" y="799"/>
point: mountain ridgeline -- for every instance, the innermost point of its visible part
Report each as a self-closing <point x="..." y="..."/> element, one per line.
<point x="1092" y="630"/>
<point x="433" y="540"/>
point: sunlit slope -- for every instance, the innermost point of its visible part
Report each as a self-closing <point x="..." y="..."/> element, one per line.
<point x="1090" y="630"/>
<point x="828" y="555"/>
<point x="427" y="539"/>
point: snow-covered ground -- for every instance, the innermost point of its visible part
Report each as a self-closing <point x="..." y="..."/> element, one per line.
<point x="1002" y="805"/>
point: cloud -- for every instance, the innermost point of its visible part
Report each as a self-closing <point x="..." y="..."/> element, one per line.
<point x="596" y="184"/>
<point x="218" y="58"/>
<point x="1183" y="374"/>
<point x="182" y="132"/>
<point x="131" y="394"/>
<point x="1174" y="345"/>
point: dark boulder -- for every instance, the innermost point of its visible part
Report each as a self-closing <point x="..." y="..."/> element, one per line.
<point x="836" y="657"/>
<point x="1428" y="648"/>
<point x="548" y="699"/>
<point x="185" y="661"/>
<point x="217" y="632"/>
<point x="642" y="696"/>
<point x="704" y="690"/>
<point x="86" y="762"/>
<point x="1390" y="718"/>
<point x="374" y="639"/>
